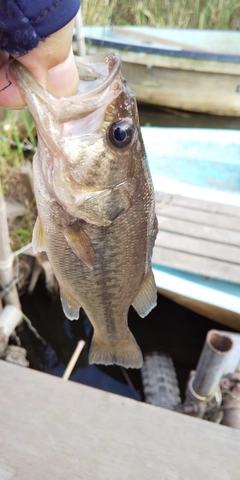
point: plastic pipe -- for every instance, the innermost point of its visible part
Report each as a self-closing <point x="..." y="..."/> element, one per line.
<point x="211" y="363"/>
<point x="205" y="381"/>
<point x="10" y="317"/>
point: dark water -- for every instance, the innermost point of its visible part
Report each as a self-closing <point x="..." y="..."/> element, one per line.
<point x="163" y="117"/>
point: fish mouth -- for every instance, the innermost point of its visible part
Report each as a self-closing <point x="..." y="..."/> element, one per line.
<point x="96" y="74"/>
<point x="109" y="65"/>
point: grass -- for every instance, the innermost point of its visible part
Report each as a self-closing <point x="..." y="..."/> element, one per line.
<point x="21" y="232"/>
<point x="17" y="134"/>
<point x="208" y="14"/>
<point x="17" y="143"/>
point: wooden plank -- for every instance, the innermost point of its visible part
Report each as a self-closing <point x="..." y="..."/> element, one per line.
<point x="203" y="248"/>
<point x="184" y="89"/>
<point x="206" y="206"/>
<point x="56" y="430"/>
<point x="199" y="216"/>
<point x="196" y="204"/>
<point x="196" y="264"/>
<point x="198" y="236"/>
<point x="200" y="231"/>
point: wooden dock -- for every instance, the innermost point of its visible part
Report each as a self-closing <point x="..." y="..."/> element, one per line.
<point x="51" y="429"/>
<point x="198" y="236"/>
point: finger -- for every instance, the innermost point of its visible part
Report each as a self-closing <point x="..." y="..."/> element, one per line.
<point x="3" y="57"/>
<point x="63" y="79"/>
<point x="10" y="95"/>
<point x="52" y="63"/>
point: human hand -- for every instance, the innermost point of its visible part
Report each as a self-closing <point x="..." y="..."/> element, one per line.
<point x="51" y="64"/>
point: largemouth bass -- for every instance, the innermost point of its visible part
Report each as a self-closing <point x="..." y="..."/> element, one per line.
<point x="96" y="214"/>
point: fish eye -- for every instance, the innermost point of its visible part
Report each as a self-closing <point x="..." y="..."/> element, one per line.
<point x="121" y="133"/>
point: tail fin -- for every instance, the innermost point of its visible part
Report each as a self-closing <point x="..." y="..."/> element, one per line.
<point x="126" y="353"/>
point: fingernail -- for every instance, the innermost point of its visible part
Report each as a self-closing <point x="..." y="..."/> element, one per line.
<point x="63" y="79"/>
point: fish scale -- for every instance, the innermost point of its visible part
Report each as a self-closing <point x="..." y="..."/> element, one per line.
<point x="96" y="208"/>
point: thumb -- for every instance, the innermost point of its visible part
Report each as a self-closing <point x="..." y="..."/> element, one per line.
<point x="62" y="80"/>
<point x="52" y="63"/>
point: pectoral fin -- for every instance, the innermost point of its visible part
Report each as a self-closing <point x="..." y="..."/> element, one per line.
<point x="146" y="298"/>
<point x="80" y="244"/>
<point x="38" y="237"/>
<point x="69" y="305"/>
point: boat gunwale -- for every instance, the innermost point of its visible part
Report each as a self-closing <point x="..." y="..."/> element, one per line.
<point x="167" y="52"/>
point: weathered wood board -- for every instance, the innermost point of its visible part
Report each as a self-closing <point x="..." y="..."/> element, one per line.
<point x="198" y="237"/>
<point x="51" y="429"/>
<point x="190" y="90"/>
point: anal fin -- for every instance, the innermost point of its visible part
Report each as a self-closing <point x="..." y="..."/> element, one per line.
<point x="69" y="305"/>
<point x="126" y="353"/>
<point x="146" y="298"/>
<point x="38" y="237"/>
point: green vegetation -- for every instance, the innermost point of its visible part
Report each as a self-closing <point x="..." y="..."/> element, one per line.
<point x="17" y="144"/>
<point x="17" y="136"/>
<point x="209" y="14"/>
<point x="21" y="233"/>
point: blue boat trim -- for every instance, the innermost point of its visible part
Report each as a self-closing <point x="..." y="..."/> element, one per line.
<point x="221" y="294"/>
<point x="162" y="51"/>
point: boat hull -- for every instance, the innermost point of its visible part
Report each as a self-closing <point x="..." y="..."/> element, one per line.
<point x="175" y="77"/>
<point x="188" y="90"/>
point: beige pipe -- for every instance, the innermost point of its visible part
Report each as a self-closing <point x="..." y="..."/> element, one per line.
<point x="204" y="382"/>
<point x="6" y="259"/>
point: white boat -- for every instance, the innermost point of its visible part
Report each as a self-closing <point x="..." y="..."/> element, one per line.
<point x="195" y="70"/>
<point x="196" y="259"/>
